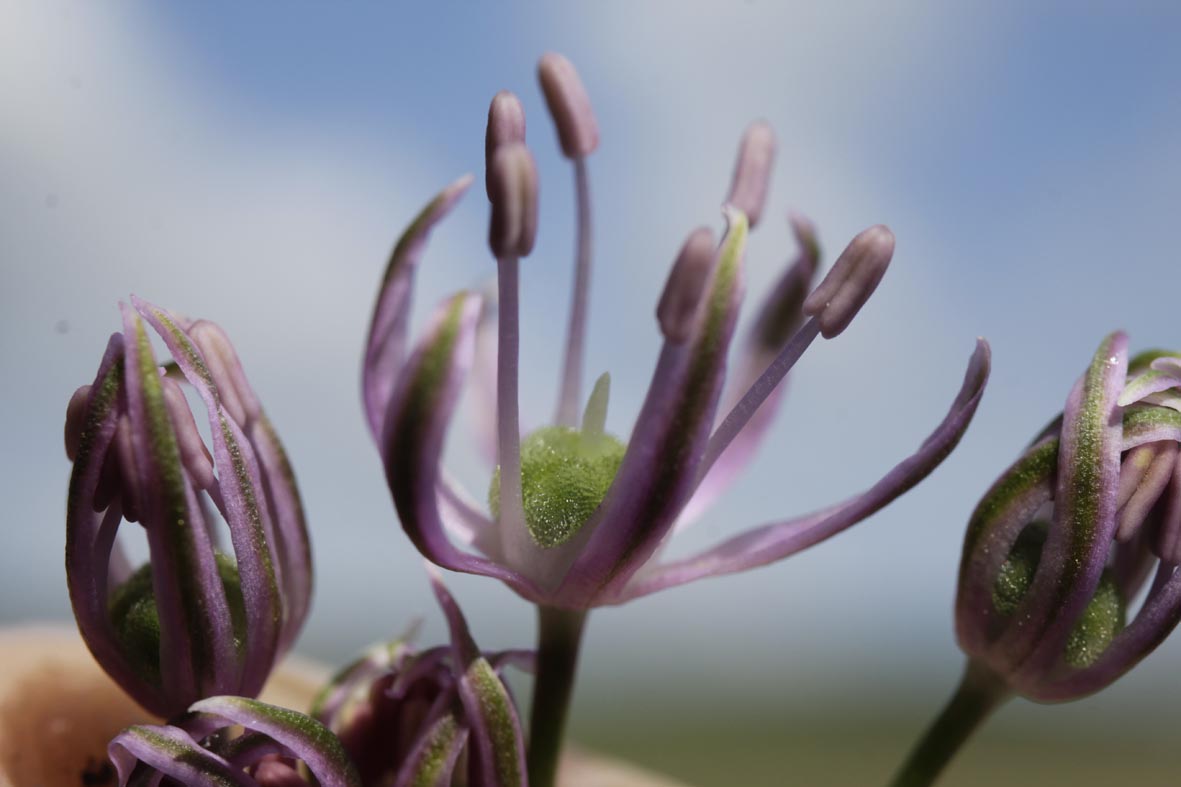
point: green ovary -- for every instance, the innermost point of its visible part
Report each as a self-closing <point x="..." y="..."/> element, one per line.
<point x="1103" y="618"/>
<point x="565" y="474"/>
<point x="136" y="620"/>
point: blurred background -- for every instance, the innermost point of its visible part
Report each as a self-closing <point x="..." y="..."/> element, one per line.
<point x="254" y="163"/>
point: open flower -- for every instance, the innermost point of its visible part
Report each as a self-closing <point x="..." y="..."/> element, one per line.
<point x="233" y="741"/>
<point x="195" y="621"/>
<point x="409" y="718"/>
<point x="1066" y="538"/>
<point x="577" y="515"/>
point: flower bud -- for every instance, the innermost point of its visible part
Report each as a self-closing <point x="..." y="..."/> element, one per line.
<point x="512" y="188"/>
<point x="569" y="105"/>
<point x="1058" y="548"/>
<point x="195" y="620"/>
<point x="233" y="740"/>
<point x="402" y="714"/>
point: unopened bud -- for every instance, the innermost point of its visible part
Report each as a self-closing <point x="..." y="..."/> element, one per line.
<point x="506" y="125"/>
<point x="685" y="285"/>
<point x="851" y="281"/>
<point x="568" y="103"/>
<point x="512" y="185"/>
<point x="752" y="171"/>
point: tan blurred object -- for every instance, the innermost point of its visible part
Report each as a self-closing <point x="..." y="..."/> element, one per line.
<point x="58" y="710"/>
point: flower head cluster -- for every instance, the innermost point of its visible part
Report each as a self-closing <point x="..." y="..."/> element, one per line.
<point x="410" y="718"/>
<point x="233" y="741"/>
<point x="195" y="621"/>
<point x="577" y="516"/>
<point x="1065" y="539"/>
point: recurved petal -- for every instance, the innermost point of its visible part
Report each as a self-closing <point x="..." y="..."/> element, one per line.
<point x="497" y="742"/>
<point x="660" y="466"/>
<point x="778" y="318"/>
<point x="1083" y="528"/>
<point x="385" y="348"/>
<point x="488" y="709"/>
<point x="432" y="760"/>
<point x="1165" y="373"/>
<point x="197" y="653"/>
<point x="1147" y="424"/>
<point x="175" y="754"/>
<point x="90" y="537"/>
<point x="1009" y="505"/>
<point x="302" y="735"/>
<point x="242" y="497"/>
<point x="419" y="412"/>
<point x="1157" y="618"/>
<point x="778" y="540"/>
<point x="292" y="543"/>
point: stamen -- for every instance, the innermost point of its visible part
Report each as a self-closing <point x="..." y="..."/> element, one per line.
<point x="758" y="392"/>
<point x="594" y="419"/>
<point x="75" y="412"/>
<point x="685" y="286"/>
<point x="512" y="513"/>
<point x="1168" y="545"/>
<point x="127" y="475"/>
<point x="578" y="131"/>
<point x="512" y="184"/>
<point x="851" y="281"/>
<point x="506" y="125"/>
<point x="752" y="171"/>
<point x="1144" y="473"/>
<point x="571" y="389"/>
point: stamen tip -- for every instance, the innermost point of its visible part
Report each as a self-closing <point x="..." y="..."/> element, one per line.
<point x="512" y="188"/>
<point x="569" y="105"/>
<point x="506" y="126"/>
<point x="852" y="280"/>
<point x="752" y="170"/>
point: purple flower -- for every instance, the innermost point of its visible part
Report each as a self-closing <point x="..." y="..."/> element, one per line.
<point x="410" y="718"/>
<point x="1070" y="533"/>
<point x="578" y="516"/>
<point x="233" y="741"/>
<point x="196" y="620"/>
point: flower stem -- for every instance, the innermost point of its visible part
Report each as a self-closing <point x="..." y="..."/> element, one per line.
<point x="980" y="692"/>
<point x="558" y="640"/>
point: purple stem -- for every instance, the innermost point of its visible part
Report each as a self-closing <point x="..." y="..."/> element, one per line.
<point x="571" y="392"/>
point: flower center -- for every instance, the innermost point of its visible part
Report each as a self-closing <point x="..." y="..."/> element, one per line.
<point x="1096" y="627"/>
<point x="565" y="473"/>
<point x="136" y="619"/>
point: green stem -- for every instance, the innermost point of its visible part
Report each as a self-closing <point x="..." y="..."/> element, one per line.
<point x="979" y="694"/>
<point x="558" y="638"/>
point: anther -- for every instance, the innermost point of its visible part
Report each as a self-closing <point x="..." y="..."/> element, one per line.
<point x="851" y="281"/>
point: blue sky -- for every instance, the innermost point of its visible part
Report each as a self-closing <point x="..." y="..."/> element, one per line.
<point x="253" y="166"/>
